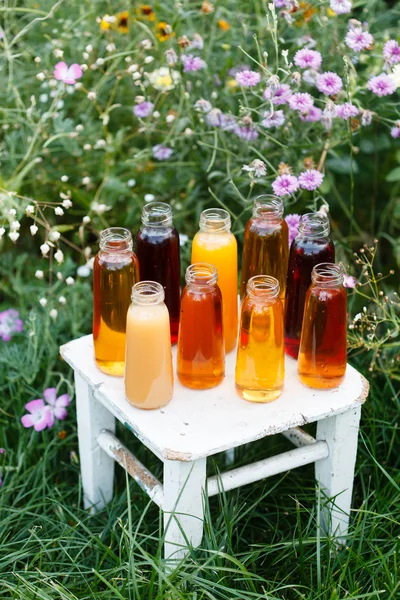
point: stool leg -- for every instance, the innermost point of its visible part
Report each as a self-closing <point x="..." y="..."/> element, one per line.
<point x="335" y="474"/>
<point x="184" y="483"/>
<point x="97" y="469"/>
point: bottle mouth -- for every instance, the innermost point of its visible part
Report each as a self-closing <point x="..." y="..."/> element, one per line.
<point x="147" y="292"/>
<point x="215" y="219"/>
<point x="201" y="274"/>
<point x="115" y="238"/>
<point x="268" y="207"/>
<point x="327" y="274"/>
<point x="314" y="225"/>
<point x="157" y="214"/>
<point x="263" y="287"/>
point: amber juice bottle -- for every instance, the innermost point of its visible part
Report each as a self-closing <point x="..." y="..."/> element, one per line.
<point x="158" y="251"/>
<point x="323" y="343"/>
<point x="260" y="363"/>
<point x="312" y="246"/>
<point x="201" y="352"/>
<point x="115" y="271"/>
<point x="266" y="243"/>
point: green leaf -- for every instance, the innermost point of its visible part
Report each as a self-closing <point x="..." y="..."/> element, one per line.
<point x="393" y="175"/>
<point x="342" y="165"/>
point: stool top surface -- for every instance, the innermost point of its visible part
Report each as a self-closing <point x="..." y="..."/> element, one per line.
<point x="196" y="424"/>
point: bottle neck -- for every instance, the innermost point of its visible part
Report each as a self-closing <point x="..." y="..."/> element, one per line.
<point x="263" y="288"/>
<point x="157" y="214"/>
<point x="146" y="293"/>
<point x="202" y="276"/>
<point x="327" y="275"/>
<point x="267" y="207"/>
<point x="215" y="220"/>
<point x="116" y="239"/>
<point x="314" y="225"/>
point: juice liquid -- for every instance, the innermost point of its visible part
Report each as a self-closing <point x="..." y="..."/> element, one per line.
<point x="114" y="274"/>
<point x="323" y="345"/>
<point x="220" y="250"/>
<point x="201" y="356"/>
<point x="304" y="255"/>
<point x="260" y="364"/>
<point x="149" y="379"/>
<point x="266" y="245"/>
<point x="159" y="257"/>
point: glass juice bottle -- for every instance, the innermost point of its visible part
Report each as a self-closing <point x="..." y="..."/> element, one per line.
<point x="216" y="245"/>
<point x="115" y="270"/>
<point x="312" y="246"/>
<point x="149" y="379"/>
<point x="201" y="355"/>
<point x="158" y="251"/>
<point x="266" y="243"/>
<point x="260" y="363"/>
<point x="323" y="343"/>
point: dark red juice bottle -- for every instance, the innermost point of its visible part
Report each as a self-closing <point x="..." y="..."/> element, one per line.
<point x="158" y="251"/>
<point x="313" y="245"/>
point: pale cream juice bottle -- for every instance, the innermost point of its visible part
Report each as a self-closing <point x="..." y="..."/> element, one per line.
<point x="149" y="379"/>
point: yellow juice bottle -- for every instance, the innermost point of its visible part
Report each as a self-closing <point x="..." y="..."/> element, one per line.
<point x="260" y="363"/>
<point x="149" y="379"/>
<point x="216" y="245"/>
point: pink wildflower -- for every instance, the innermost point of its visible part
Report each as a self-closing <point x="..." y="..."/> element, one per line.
<point x="278" y="95"/>
<point x="246" y="132"/>
<point x="346" y="110"/>
<point x="358" y="40"/>
<point x="395" y="132"/>
<point x="301" y="101"/>
<point x="58" y="406"/>
<point x="67" y="74"/>
<point x="192" y="63"/>
<point x="143" y="110"/>
<point x="381" y="85"/>
<point x="366" y="117"/>
<point x="341" y="7"/>
<point x="329" y="83"/>
<point x="391" y="52"/>
<point x="312" y="115"/>
<point x="285" y="184"/>
<point x="273" y="119"/>
<point x="161" y="152"/>
<point x="39" y="417"/>
<point x="248" y="78"/>
<point x="293" y="222"/>
<point x="349" y="281"/>
<point x="10" y="323"/>
<point x="308" y="59"/>
<point x="310" y="180"/>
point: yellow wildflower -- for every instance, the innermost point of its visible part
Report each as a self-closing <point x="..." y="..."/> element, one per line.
<point x="122" y="21"/>
<point x="207" y="7"/>
<point x="330" y="12"/>
<point x="224" y="25"/>
<point x="284" y="169"/>
<point x="146" y="12"/>
<point x="164" y="31"/>
<point x="106" y="22"/>
<point x="232" y="84"/>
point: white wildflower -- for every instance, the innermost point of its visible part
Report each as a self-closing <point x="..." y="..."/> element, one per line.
<point x="91" y="95"/>
<point x="100" y="62"/>
<point x="257" y="167"/>
<point x="45" y="248"/>
<point x="41" y="76"/>
<point x="39" y="274"/>
<point x="58" y="211"/>
<point x="59" y="256"/>
<point x="100" y="144"/>
<point x="111" y="47"/>
<point x="83" y="271"/>
<point x="70" y="281"/>
<point x="62" y="300"/>
<point x="34" y="229"/>
<point x="146" y="44"/>
<point x="149" y="198"/>
<point x="133" y="68"/>
<point x="30" y="209"/>
<point x="86" y="219"/>
<point x="79" y="127"/>
<point x="131" y="183"/>
<point x="183" y="239"/>
<point x="148" y="60"/>
<point x="12" y="212"/>
<point x="170" y="118"/>
<point x="53" y="313"/>
<point x="13" y="235"/>
<point x="64" y="178"/>
<point x="2" y="231"/>
<point x="60" y="276"/>
<point x="43" y="302"/>
<point x="54" y="236"/>
<point x="67" y="203"/>
<point x="15" y="225"/>
<point x="58" y="53"/>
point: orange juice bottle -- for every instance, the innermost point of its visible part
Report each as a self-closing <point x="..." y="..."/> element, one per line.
<point x="260" y="363"/>
<point x="216" y="245"/>
<point x="149" y="379"/>
<point x="115" y="270"/>
<point x="323" y="342"/>
<point x="266" y="243"/>
<point x="201" y="356"/>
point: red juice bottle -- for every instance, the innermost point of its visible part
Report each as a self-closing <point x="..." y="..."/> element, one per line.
<point x="158" y="251"/>
<point x="313" y="245"/>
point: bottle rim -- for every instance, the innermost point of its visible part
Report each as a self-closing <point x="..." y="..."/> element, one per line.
<point x="147" y="292"/>
<point x="263" y="287"/>
<point x="314" y="225"/>
<point x="268" y="206"/>
<point x="115" y="238"/>
<point x="327" y="274"/>
<point x="157" y="214"/>
<point x="215" y="220"/>
<point x="201" y="274"/>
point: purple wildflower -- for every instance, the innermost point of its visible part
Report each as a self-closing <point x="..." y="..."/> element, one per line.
<point x="283" y="3"/>
<point x="308" y="59"/>
<point x="248" y="78"/>
<point x="58" y="406"/>
<point x="341" y="7"/>
<point x="238" y="69"/>
<point x="40" y="415"/>
<point x="285" y="184"/>
<point x="293" y="222"/>
<point x="391" y="52"/>
<point x="227" y="122"/>
<point x="161" y="152"/>
<point x="246" y="132"/>
<point x="395" y="132"/>
<point x="349" y="281"/>
<point x="10" y="323"/>
<point x="278" y="95"/>
<point x="310" y="180"/>
<point x="358" y="40"/>
<point x="202" y="105"/>
<point x="312" y="115"/>
<point x="329" y="83"/>
<point x="310" y="76"/>
<point x="192" y="63"/>
<point x="273" y="119"/>
<point x="143" y="110"/>
<point x="301" y="101"/>
<point x="346" y="110"/>
<point x="381" y="85"/>
<point x="2" y="451"/>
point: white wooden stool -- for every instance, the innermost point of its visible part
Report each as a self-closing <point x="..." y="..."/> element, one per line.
<point x="198" y="424"/>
